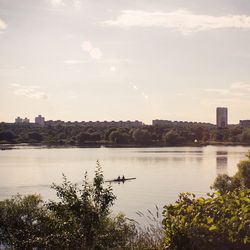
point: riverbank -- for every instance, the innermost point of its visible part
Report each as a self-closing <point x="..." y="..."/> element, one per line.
<point x="9" y="146"/>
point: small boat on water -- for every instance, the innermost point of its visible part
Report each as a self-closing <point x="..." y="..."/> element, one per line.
<point x="121" y="179"/>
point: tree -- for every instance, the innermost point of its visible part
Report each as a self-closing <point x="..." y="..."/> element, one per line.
<point x="245" y="136"/>
<point x="221" y="134"/>
<point x="34" y="136"/>
<point x="243" y="173"/>
<point x="119" y="137"/>
<point x="224" y="183"/>
<point x="81" y="214"/>
<point x="219" y="222"/>
<point x="241" y="180"/>
<point x="198" y="132"/>
<point x="23" y="222"/>
<point x="79" y="219"/>
<point x="172" y="138"/>
<point x="95" y="137"/>
<point x="142" y="136"/>
<point x="7" y="136"/>
<point x="82" y="138"/>
<point x="85" y="137"/>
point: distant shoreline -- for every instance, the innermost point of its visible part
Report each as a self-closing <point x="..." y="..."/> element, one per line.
<point x="107" y="145"/>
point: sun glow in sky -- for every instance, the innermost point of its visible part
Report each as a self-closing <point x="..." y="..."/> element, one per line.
<point x="124" y="60"/>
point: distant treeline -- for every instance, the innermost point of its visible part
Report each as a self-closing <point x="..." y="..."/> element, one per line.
<point x="77" y="135"/>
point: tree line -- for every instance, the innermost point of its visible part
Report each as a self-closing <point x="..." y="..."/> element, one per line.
<point x="77" y="135"/>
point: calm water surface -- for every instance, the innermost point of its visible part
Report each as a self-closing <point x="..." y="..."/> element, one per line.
<point x="161" y="173"/>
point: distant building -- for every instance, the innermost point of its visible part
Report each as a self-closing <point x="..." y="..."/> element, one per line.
<point x="180" y="123"/>
<point x="18" y="120"/>
<point x="124" y="124"/>
<point x="245" y="123"/>
<point x="40" y="120"/>
<point x="221" y="117"/>
<point x="26" y="120"/>
<point x="161" y="122"/>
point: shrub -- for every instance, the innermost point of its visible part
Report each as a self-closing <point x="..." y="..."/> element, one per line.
<point x="219" y="222"/>
<point x="80" y="219"/>
<point x="23" y="222"/>
<point x="241" y="180"/>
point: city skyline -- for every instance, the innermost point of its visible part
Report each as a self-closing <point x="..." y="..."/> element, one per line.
<point x="90" y="60"/>
<point x="221" y="116"/>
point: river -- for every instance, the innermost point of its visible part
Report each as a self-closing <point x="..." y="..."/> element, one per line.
<point x="161" y="173"/>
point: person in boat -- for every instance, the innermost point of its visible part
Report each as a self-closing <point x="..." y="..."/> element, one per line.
<point x="123" y="178"/>
<point x="119" y="178"/>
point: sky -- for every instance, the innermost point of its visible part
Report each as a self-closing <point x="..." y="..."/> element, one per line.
<point x="82" y="60"/>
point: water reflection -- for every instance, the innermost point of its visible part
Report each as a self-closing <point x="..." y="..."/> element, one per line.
<point x="221" y="162"/>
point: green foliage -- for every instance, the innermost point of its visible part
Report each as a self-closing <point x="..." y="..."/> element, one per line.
<point x="245" y="136"/>
<point x="119" y="137"/>
<point x="85" y="137"/>
<point x="79" y="219"/>
<point x="34" y="136"/>
<point x="243" y="173"/>
<point x="224" y="183"/>
<point x="172" y="138"/>
<point x="241" y="180"/>
<point x="23" y="222"/>
<point x="219" y="222"/>
<point x="7" y="136"/>
<point x="221" y="135"/>
<point x="141" y="136"/>
<point x="76" y="134"/>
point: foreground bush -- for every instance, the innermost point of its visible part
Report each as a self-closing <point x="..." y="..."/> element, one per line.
<point x="24" y="222"/>
<point x="81" y="219"/>
<point x="241" y="180"/>
<point x="219" y="222"/>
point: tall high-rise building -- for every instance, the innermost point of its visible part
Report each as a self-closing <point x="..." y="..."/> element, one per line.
<point x="40" y="120"/>
<point x="221" y="117"/>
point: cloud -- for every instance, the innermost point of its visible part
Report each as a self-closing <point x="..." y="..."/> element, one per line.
<point x="57" y="3"/>
<point x="29" y="91"/>
<point x="236" y="94"/>
<point x="180" y="20"/>
<point x="76" y="4"/>
<point x="240" y="86"/>
<point x="235" y="89"/>
<point x="94" y="53"/>
<point x="219" y="91"/>
<point x="223" y="102"/>
<point x="3" y="25"/>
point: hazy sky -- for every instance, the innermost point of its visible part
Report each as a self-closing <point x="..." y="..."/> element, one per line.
<point x="124" y="60"/>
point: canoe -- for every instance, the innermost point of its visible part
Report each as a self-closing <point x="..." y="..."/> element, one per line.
<point x="121" y="180"/>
